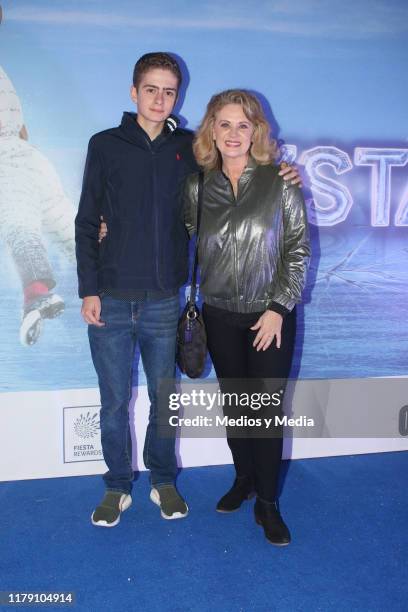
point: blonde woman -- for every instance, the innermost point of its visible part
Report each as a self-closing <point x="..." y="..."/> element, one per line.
<point x="253" y="255"/>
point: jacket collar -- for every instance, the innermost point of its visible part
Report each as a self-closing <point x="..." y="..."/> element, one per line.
<point x="247" y="173"/>
<point x="136" y="134"/>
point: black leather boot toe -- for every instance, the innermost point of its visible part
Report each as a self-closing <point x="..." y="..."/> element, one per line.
<point x="268" y="516"/>
<point x="241" y="490"/>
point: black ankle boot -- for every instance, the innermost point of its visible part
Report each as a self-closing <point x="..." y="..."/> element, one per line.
<point x="241" y="490"/>
<point x="268" y="515"/>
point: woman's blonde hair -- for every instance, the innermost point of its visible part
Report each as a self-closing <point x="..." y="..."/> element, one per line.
<point x="263" y="148"/>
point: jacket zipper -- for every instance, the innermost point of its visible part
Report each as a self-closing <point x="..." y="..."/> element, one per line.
<point x="156" y="211"/>
<point x="156" y="218"/>
<point x="234" y="241"/>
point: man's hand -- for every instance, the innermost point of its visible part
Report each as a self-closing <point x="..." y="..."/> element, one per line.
<point x="290" y="173"/>
<point x="103" y="230"/>
<point x="269" y="326"/>
<point x="91" y="310"/>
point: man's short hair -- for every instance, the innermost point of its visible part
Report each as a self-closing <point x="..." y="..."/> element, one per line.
<point x="155" y="60"/>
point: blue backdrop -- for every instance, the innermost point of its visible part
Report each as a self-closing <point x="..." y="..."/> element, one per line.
<point x="333" y="79"/>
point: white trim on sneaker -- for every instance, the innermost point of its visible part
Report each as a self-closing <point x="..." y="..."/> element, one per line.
<point x="124" y="503"/>
<point x="155" y="497"/>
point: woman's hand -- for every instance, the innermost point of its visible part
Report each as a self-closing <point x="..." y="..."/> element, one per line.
<point x="269" y="326"/>
<point x="290" y="173"/>
<point x="103" y="230"/>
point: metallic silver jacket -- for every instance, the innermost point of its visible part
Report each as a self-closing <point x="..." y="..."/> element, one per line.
<point x="253" y="250"/>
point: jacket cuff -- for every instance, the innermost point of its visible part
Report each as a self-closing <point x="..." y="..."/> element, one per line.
<point x="88" y="291"/>
<point x="275" y="307"/>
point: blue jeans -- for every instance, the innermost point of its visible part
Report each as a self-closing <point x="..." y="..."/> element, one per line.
<point x="152" y="323"/>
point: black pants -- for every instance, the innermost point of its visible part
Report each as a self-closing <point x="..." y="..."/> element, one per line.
<point x="256" y="454"/>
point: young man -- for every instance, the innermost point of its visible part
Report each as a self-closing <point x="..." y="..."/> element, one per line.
<point x="129" y="283"/>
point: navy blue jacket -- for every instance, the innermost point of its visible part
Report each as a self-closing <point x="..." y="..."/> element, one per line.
<point x="135" y="184"/>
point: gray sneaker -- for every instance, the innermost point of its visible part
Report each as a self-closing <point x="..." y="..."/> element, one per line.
<point x="171" y="504"/>
<point x="107" y="514"/>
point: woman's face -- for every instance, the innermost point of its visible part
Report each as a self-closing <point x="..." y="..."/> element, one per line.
<point x="232" y="132"/>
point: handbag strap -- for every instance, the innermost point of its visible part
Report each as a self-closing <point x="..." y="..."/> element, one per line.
<point x="193" y="290"/>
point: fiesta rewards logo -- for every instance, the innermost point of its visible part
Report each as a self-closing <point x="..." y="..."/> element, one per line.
<point x="82" y="440"/>
<point x="87" y="426"/>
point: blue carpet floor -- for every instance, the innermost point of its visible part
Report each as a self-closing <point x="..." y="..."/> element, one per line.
<point x="348" y="518"/>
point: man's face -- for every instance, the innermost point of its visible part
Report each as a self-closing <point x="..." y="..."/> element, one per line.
<point x="155" y="96"/>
